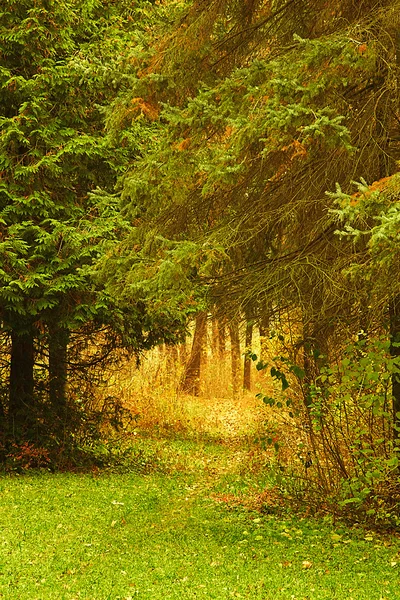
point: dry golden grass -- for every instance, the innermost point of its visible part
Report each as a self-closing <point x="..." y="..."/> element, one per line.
<point x="244" y="423"/>
<point x="151" y="392"/>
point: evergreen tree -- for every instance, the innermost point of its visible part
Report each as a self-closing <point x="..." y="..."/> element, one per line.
<point x="60" y="65"/>
<point x="271" y="110"/>
<point x="260" y="110"/>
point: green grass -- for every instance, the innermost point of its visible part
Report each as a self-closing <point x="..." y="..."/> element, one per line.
<point x="160" y="536"/>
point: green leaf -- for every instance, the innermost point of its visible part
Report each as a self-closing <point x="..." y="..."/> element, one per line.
<point x="260" y="366"/>
<point x="298" y="371"/>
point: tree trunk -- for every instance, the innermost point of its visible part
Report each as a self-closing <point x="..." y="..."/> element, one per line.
<point x="214" y="338"/>
<point x="235" y="356"/>
<point x="394" y="316"/>
<point x="191" y="377"/>
<point x="58" y="348"/>
<point x="21" y="415"/>
<point x="221" y="340"/>
<point x="263" y="329"/>
<point x="247" y="360"/>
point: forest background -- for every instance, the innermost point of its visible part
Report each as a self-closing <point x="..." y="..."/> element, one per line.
<point x="181" y="167"/>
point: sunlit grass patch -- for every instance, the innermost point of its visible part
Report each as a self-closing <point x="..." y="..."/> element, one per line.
<point x="126" y="536"/>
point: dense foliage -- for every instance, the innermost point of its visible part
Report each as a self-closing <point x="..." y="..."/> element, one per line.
<point x="259" y="111"/>
<point x="60" y="68"/>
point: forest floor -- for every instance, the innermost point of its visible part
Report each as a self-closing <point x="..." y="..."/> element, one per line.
<point x="187" y="526"/>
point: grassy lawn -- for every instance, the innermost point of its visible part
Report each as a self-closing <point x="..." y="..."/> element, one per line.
<point x="162" y="536"/>
<point x="158" y="536"/>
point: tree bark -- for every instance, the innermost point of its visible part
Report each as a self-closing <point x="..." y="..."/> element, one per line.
<point x="191" y="377"/>
<point x="58" y="350"/>
<point x="21" y="416"/>
<point x="235" y="356"/>
<point x="247" y="360"/>
<point x="394" y="316"/>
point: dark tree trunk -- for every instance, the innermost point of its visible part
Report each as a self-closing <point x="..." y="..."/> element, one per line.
<point x="247" y="360"/>
<point x="235" y="355"/>
<point x="21" y="415"/>
<point x="58" y="349"/>
<point x="191" y="377"/>
<point x="394" y="316"/>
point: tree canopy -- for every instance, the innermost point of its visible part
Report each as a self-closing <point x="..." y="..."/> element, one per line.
<point x="269" y="183"/>
<point x="255" y="121"/>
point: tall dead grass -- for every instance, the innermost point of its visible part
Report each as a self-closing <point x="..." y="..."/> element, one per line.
<point x="151" y="393"/>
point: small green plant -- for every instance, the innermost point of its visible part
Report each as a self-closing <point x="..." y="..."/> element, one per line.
<point x="350" y="452"/>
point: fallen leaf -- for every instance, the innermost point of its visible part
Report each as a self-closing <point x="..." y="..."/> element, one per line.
<point x="306" y="564"/>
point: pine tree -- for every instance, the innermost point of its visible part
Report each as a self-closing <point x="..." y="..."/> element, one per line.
<point x="60" y="67"/>
<point x="294" y="101"/>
